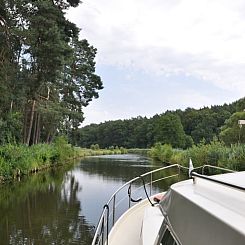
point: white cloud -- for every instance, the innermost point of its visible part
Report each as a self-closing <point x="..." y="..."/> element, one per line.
<point x="203" y="38"/>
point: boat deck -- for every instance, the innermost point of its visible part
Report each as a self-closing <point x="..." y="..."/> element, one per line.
<point x="139" y="225"/>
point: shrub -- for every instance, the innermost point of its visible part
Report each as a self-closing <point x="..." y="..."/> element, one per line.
<point x="161" y="152"/>
<point x="62" y="150"/>
<point x="215" y="153"/>
<point x="5" y="168"/>
<point x="95" y="147"/>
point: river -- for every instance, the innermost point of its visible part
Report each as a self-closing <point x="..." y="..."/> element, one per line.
<point x="62" y="206"/>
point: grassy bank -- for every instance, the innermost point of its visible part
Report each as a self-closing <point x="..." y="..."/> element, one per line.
<point x="17" y="160"/>
<point x="95" y="151"/>
<point x="139" y="151"/>
<point x="215" y="153"/>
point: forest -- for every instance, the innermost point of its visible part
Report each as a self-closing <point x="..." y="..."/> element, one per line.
<point x="180" y="128"/>
<point x="47" y="74"/>
<point x="47" y="77"/>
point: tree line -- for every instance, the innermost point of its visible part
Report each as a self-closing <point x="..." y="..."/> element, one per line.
<point x="179" y="128"/>
<point x="47" y="74"/>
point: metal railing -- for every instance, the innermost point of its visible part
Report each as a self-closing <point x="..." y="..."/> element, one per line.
<point x="203" y="167"/>
<point x="202" y="176"/>
<point x="109" y="210"/>
<point x="108" y="216"/>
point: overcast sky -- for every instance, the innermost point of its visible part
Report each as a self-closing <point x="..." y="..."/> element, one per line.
<point x="158" y="55"/>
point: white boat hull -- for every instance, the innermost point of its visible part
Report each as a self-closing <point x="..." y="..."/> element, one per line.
<point x="140" y="225"/>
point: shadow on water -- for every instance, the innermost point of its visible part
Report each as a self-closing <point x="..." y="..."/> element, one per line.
<point x="43" y="209"/>
<point x="62" y="206"/>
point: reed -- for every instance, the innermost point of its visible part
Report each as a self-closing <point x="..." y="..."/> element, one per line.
<point x="215" y="153"/>
<point x="18" y="160"/>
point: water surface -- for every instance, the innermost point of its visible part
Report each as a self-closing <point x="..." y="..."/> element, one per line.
<point x="62" y="206"/>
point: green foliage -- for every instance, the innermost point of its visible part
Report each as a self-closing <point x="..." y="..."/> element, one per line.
<point x="83" y="152"/>
<point x="21" y="159"/>
<point x="215" y="153"/>
<point x="231" y="133"/>
<point x="161" y="152"/>
<point x="62" y="150"/>
<point x="181" y="129"/>
<point x="234" y="157"/>
<point x="169" y="130"/>
<point x="47" y="75"/>
<point x="180" y="157"/>
<point x="188" y="141"/>
<point x="10" y="128"/>
<point x="43" y="154"/>
<point x="95" y="147"/>
<point x="16" y="160"/>
<point x="5" y="168"/>
<point x="123" y="150"/>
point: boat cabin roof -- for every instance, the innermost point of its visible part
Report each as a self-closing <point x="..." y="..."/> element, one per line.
<point x="205" y="212"/>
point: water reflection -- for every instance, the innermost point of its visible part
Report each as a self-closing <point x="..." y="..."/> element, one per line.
<point x="43" y="210"/>
<point x="102" y="176"/>
<point x="117" y="167"/>
<point x="63" y="206"/>
<point x="124" y="168"/>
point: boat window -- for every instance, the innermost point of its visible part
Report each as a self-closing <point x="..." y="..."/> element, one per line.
<point x="168" y="238"/>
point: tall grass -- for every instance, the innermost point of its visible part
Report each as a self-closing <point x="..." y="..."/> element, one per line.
<point x="83" y="152"/>
<point x="215" y="153"/>
<point x="16" y="160"/>
<point x="161" y="152"/>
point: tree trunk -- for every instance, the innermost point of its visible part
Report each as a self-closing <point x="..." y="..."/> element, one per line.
<point x="48" y="137"/>
<point x="52" y="135"/>
<point x="31" y="122"/>
<point x="34" y="135"/>
<point x="38" y="129"/>
<point x="25" y="125"/>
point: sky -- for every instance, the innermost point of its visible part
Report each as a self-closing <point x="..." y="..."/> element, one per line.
<point x="158" y="55"/>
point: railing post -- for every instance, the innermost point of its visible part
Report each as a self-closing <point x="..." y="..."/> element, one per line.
<point x="107" y="223"/>
<point x="103" y="230"/>
<point x="203" y="169"/>
<point x="129" y="195"/>
<point x="113" y="210"/>
<point x="179" y="173"/>
<point x="151" y="185"/>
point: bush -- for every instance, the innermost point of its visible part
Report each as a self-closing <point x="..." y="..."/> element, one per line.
<point x="215" y="153"/>
<point x="179" y="157"/>
<point x="5" y="168"/>
<point x="95" y="147"/>
<point x="22" y="159"/>
<point x="161" y="152"/>
<point x="62" y="150"/>
<point x="235" y="157"/>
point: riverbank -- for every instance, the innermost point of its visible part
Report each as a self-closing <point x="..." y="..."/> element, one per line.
<point x="215" y="153"/>
<point x="19" y="160"/>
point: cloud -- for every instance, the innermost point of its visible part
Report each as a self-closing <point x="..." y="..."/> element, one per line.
<point x="129" y="93"/>
<point x="162" y="55"/>
<point x="204" y="38"/>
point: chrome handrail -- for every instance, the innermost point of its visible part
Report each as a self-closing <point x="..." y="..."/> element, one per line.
<point x="216" y="167"/>
<point x="102" y="229"/>
<point x="238" y="187"/>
